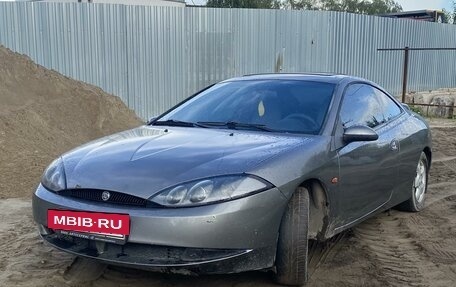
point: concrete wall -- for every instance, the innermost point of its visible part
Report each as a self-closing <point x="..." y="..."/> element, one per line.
<point x="442" y="99"/>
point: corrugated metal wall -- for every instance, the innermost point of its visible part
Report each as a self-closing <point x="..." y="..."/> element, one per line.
<point x="153" y="57"/>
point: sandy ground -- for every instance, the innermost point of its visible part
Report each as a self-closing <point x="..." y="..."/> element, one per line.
<point x="392" y="249"/>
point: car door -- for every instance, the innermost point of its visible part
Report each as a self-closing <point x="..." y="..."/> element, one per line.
<point x="368" y="170"/>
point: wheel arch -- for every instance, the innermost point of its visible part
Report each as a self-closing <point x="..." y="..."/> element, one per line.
<point x="319" y="207"/>
<point x="427" y="151"/>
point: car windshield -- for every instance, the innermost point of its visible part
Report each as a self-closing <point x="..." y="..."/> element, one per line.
<point x="266" y="105"/>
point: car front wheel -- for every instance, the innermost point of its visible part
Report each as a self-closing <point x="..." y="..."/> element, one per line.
<point x="292" y="248"/>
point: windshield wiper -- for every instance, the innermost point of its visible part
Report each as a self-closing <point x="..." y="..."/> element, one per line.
<point x="177" y="123"/>
<point x="235" y="125"/>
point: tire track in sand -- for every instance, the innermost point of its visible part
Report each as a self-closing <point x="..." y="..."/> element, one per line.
<point x="440" y="250"/>
<point x="394" y="252"/>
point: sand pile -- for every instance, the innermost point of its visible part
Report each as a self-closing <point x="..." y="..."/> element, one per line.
<point x="43" y="114"/>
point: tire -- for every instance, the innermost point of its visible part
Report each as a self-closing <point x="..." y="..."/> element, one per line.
<point x="292" y="247"/>
<point x="419" y="187"/>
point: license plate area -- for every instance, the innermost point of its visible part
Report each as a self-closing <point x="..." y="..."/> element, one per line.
<point x="116" y="239"/>
<point x="106" y="227"/>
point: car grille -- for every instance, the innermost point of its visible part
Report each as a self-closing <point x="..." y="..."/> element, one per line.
<point x="96" y="195"/>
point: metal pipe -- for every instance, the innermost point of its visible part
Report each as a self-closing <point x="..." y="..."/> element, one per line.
<point x="417" y="49"/>
<point x="406" y="62"/>
<point x="405" y="75"/>
<point x="430" y="105"/>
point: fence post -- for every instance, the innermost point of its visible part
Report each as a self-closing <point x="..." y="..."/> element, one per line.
<point x="405" y="76"/>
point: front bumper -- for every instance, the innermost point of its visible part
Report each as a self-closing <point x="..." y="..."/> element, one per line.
<point x="228" y="237"/>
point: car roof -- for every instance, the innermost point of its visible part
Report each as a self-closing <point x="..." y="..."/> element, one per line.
<point x="315" y="77"/>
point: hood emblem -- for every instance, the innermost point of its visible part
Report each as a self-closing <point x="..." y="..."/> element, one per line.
<point x="105" y="195"/>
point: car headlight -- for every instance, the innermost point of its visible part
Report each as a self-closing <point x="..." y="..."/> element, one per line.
<point x="211" y="190"/>
<point x="54" y="176"/>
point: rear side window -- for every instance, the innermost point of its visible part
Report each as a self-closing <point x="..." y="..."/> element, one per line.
<point x="389" y="107"/>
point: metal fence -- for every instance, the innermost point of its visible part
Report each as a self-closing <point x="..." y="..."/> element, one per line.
<point x="153" y="57"/>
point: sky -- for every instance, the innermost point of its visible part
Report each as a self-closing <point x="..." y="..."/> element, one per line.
<point x="408" y="5"/>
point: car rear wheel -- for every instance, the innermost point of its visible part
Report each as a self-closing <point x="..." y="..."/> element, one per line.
<point x="419" y="188"/>
<point x="292" y="248"/>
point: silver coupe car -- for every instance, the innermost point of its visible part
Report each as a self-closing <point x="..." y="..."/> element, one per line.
<point x="239" y="177"/>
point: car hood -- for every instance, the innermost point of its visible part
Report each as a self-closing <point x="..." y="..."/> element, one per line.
<point x="146" y="160"/>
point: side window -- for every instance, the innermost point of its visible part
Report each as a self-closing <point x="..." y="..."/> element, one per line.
<point x="389" y="107"/>
<point x="360" y="106"/>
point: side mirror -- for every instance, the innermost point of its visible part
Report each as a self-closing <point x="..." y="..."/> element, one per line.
<point x="359" y="134"/>
<point x="151" y="120"/>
